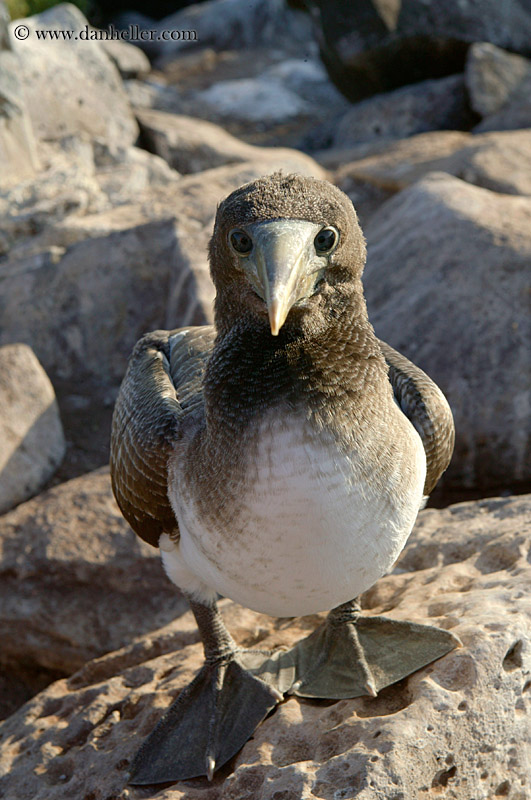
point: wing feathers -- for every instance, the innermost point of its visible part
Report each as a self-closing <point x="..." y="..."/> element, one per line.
<point x="160" y="388"/>
<point x="426" y="407"/>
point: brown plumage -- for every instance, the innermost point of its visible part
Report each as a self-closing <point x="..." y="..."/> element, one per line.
<point x="292" y="361"/>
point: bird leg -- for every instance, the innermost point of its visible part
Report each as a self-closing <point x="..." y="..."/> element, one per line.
<point x="350" y="655"/>
<point x="217" y="712"/>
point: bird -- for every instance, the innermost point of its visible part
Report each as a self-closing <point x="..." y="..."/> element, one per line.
<point x="278" y="457"/>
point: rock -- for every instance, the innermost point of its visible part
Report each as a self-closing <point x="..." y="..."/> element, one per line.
<point x="497" y="161"/>
<point x="71" y="86"/>
<point x="18" y="152"/>
<point x="75" y="581"/>
<point x="127" y="174"/>
<point x="130" y="60"/>
<point x="66" y="185"/>
<point x="83" y="309"/>
<point x="253" y="100"/>
<point x="32" y="443"/>
<point x="492" y="76"/>
<point x="192" y="145"/>
<point x="457" y="728"/>
<point x="246" y="23"/>
<point x="374" y="46"/>
<point x="445" y="284"/>
<point x="153" y="94"/>
<point x="425" y="106"/>
<point x="514" y="115"/>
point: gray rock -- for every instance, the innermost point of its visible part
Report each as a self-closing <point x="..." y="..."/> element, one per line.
<point x="234" y="24"/>
<point x="425" y="106"/>
<point x="72" y="87"/>
<point x="130" y="60"/>
<point x="514" y="115"/>
<point x="263" y="99"/>
<point x="374" y="46"/>
<point x="492" y="76"/>
<point x="446" y="284"/>
<point x="498" y="161"/>
<point x="458" y="728"/>
<point x="75" y="582"/>
<point x="32" y="443"/>
<point x="192" y="145"/>
<point x="152" y="94"/>
<point x="83" y="309"/>
<point x="18" y="151"/>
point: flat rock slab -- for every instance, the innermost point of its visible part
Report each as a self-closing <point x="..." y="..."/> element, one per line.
<point x="32" y="443"/>
<point x="499" y="161"/>
<point x="458" y="728"/>
<point x="446" y="283"/>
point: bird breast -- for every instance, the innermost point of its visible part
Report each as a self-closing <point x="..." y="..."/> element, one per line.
<point x="314" y="526"/>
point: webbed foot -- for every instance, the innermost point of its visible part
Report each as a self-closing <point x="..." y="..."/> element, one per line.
<point x="350" y="655"/>
<point x="217" y="712"/>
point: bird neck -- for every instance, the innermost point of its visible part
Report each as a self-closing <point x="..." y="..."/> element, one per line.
<point x="251" y="371"/>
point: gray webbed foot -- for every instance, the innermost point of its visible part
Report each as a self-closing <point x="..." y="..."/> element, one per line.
<point x="350" y="655"/>
<point x="217" y="712"/>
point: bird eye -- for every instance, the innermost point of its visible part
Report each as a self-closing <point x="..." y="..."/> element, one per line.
<point x="240" y="242"/>
<point x="326" y="240"/>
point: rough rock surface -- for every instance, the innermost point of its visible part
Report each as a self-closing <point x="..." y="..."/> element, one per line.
<point x="130" y="60"/>
<point x="72" y="86"/>
<point x="193" y="145"/>
<point x="32" y="443"/>
<point x="446" y="284"/>
<point x="124" y="275"/>
<point x="514" y="115"/>
<point x="75" y="582"/>
<point x="499" y="161"/>
<point x="426" y="106"/>
<point x="18" y="150"/>
<point x="458" y="728"/>
<point x="492" y="76"/>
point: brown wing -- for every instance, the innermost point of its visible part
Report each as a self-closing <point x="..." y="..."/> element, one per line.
<point x="161" y="390"/>
<point x="426" y="407"/>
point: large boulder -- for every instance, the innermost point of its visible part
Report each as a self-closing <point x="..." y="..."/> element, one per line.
<point x="75" y="582"/>
<point x="376" y="45"/>
<point x="446" y="283"/>
<point x="230" y="24"/>
<point x="71" y="85"/>
<point x="193" y="145"/>
<point x="493" y="76"/>
<point x="83" y="309"/>
<point x="498" y="161"/>
<point x="426" y="106"/>
<point x="457" y="728"/>
<point x="32" y="443"/>
<point x="18" y="153"/>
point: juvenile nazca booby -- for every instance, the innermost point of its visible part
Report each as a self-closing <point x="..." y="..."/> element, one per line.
<point x="278" y="458"/>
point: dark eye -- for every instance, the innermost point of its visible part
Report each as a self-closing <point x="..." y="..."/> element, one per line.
<point x="326" y="240"/>
<point x="241" y="242"/>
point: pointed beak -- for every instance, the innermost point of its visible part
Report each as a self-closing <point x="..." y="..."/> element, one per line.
<point x="283" y="266"/>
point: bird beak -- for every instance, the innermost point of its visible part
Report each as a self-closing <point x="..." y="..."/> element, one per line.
<point x="283" y="266"/>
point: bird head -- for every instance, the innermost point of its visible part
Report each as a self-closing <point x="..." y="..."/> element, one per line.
<point x="286" y="250"/>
